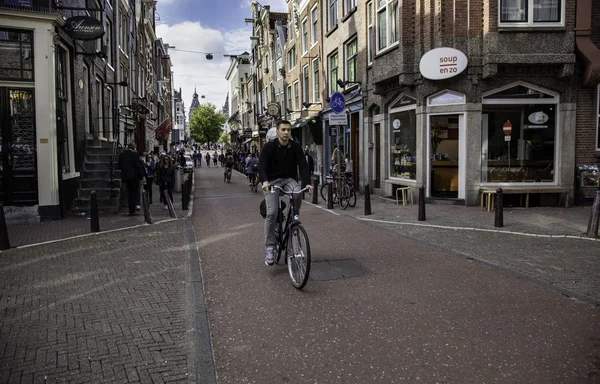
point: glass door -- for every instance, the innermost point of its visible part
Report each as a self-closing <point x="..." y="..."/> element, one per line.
<point x="444" y="162"/>
<point x="18" y="177"/>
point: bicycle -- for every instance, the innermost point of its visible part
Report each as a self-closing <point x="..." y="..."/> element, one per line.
<point x="344" y="195"/>
<point x="227" y="175"/>
<point x="292" y="237"/>
<point x="253" y="183"/>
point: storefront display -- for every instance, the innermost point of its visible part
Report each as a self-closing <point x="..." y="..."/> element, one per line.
<point x="403" y="143"/>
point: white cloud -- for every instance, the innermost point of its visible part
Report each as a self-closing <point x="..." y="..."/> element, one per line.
<point x="276" y="5"/>
<point x="192" y="69"/>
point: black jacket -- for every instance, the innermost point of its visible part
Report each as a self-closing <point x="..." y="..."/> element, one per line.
<point x="166" y="176"/>
<point x="130" y="166"/>
<point x="311" y="163"/>
<point x="282" y="161"/>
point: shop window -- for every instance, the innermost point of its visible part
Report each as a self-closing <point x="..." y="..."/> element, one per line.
<point x="446" y="98"/>
<point x="531" y="12"/>
<point x="403" y="138"/>
<point x="519" y="136"/>
<point x="17" y="55"/>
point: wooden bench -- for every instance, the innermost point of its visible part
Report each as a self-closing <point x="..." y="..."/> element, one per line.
<point x="490" y="194"/>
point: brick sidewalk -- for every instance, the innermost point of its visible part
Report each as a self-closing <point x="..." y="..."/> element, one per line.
<point x="107" y="308"/>
<point x="32" y="233"/>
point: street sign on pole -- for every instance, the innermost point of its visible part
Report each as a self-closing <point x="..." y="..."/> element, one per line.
<point x="341" y="119"/>
<point x="337" y="102"/>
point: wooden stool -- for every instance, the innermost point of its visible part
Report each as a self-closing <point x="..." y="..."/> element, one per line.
<point x="490" y="195"/>
<point x="405" y="191"/>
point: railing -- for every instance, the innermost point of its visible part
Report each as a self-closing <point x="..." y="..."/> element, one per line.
<point x="38" y="6"/>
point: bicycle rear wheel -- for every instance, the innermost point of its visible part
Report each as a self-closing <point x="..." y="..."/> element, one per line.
<point x="298" y="256"/>
<point x="352" y="199"/>
<point x="324" y="192"/>
<point x="344" y="197"/>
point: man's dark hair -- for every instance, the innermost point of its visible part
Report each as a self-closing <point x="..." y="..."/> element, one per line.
<point x="131" y="145"/>
<point x="281" y="122"/>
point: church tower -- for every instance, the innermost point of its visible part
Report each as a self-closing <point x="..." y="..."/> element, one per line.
<point x="195" y="104"/>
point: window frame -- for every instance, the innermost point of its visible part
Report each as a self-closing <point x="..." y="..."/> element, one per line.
<point x="349" y="6"/>
<point x="332" y="14"/>
<point x="21" y="48"/>
<point x="296" y="86"/>
<point x="348" y="58"/>
<point x="86" y="98"/>
<point x="314" y="35"/>
<point x="109" y="42"/>
<point x="370" y="33"/>
<point x="333" y="86"/>
<point x="64" y="78"/>
<point x="100" y="107"/>
<point x="598" y="119"/>
<point x="292" y="57"/>
<point x="388" y="4"/>
<point x="529" y="23"/>
<point x="289" y="96"/>
<point x="305" y="84"/>
<point x="315" y="81"/>
<point x="304" y="31"/>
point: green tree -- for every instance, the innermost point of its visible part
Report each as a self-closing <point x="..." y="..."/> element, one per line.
<point x="225" y="139"/>
<point x="206" y="124"/>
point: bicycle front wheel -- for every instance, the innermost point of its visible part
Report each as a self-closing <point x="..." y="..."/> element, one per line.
<point x="298" y="256"/>
<point x="324" y="192"/>
<point x="344" y="197"/>
<point x="352" y="199"/>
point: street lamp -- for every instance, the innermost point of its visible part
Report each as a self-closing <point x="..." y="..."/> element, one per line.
<point x="343" y="83"/>
<point x="306" y="104"/>
<point x="122" y="83"/>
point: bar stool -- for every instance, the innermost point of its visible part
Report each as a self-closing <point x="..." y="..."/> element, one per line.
<point x="488" y="195"/>
<point x="406" y="192"/>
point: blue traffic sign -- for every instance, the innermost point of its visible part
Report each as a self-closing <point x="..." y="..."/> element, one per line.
<point x="337" y="102"/>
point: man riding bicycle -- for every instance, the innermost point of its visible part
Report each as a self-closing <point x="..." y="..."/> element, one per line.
<point x="278" y="165"/>
<point x="228" y="162"/>
<point x="251" y="167"/>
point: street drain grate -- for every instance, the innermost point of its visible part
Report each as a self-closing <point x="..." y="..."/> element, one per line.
<point x="336" y="269"/>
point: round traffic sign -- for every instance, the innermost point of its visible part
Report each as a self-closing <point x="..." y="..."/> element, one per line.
<point x="507" y="127"/>
<point x="337" y="102"/>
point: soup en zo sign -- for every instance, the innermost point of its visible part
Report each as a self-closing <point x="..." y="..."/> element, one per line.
<point x="442" y="63"/>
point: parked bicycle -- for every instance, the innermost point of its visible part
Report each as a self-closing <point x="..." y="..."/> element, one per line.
<point x="344" y="193"/>
<point x="292" y="238"/>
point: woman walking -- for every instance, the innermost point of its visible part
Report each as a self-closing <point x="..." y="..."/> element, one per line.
<point x="166" y="179"/>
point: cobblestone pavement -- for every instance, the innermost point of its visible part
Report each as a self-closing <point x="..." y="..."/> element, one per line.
<point x="544" y="245"/>
<point x="33" y="233"/>
<point x="111" y="308"/>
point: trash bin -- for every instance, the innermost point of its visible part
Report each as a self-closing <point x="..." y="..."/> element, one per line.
<point x="178" y="178"/>
<point x="587" y="183"/>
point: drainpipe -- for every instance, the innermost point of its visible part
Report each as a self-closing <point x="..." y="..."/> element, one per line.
<point x="585" y="46"/>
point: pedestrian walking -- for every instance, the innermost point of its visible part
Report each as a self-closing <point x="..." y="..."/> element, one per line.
<point x="207" y="157"/>
<point x="132" y="174"/>
<point x="199" y="162"/>
<point x="166" y="179"/>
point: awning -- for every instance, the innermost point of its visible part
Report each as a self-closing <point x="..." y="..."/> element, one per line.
<point x="163" y="130"/>
<point x="307" y="120"/>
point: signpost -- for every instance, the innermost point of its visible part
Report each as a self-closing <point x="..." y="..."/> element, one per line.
<point x="507" y="128"/>
<point x="338" y="105"/>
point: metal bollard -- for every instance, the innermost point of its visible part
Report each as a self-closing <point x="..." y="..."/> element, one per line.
<point x="94" y="219"/>
<point x="499" y="219"/>
<point x="329" y="196"/>
<point x="592" y="228"/>
<point x="367" y="200"/>
<point x="184" y="204"/>
<point x="422" y="203"/>
<point x="169" y="204"/>
<point x="315" y="196"/>
<point x="146" y="207"/>
<point x="4" y="240"/>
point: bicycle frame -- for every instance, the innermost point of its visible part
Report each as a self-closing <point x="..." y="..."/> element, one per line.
<point x="290" y="220"/>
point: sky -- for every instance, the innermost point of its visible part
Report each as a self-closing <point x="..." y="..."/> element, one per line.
<point x="209" y="26"/>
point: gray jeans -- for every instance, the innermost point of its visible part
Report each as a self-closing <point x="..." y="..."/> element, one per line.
<point x="271" y="199"/>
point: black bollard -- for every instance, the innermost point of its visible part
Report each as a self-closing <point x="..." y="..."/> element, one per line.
<point x="146" y="207"/>
<point x="184" y="204"/>
<point x="329" y="196"/>
<point x="94" y="219"/>
<point x="592" y="229"/>
<point x="421" y="203"/>
<point x="499" y="219"/>
<point x="367" y="200"/>
<point x="315" y="196"/>
<point x="4" y="241"/>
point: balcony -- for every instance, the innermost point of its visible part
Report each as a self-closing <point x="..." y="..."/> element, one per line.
<point x="38" y="6"/>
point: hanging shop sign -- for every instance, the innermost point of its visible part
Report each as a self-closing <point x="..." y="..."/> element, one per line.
<point x="262" y="131"/>
<point x="442" y="63"/>
<point x="247" y="133"/>
<point x="396" y="124"/>
<point x="84" y="28"/>
<point x="538" y="117"/>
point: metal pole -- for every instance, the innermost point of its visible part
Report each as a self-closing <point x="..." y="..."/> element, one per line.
<point x="499" y="219"/>
<point x="169" y="204"/>
<point x="146" y="206"/>
<point x="422" y="203"/>
<point x="95" y="221"/>
<point x="367" y="200"/>
<point x="4" y="240"/>
<point x="592" y="229"/>
<point x="329" y="196"/>
<point x="315" y="196"/>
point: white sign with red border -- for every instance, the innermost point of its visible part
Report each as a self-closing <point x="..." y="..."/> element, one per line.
<point x="442" y="63"/>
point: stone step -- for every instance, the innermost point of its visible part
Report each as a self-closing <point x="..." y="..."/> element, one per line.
<point x="101" y="174"/>
<point x="101" y="193"/>
<point x="444" y="201"/>
<point x="96" y="166"/>
<point x="100" y="183"/>
<point x="98" y="151"/>
<point x="100" y="158"/>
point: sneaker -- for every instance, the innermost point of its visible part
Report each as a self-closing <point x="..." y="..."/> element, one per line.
<point x="166" y="207"/>
<point x="270" y="258"/>
<point x="137" y="207"/>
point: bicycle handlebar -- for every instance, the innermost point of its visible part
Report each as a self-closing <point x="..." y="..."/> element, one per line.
<point x="287" y="192"/>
